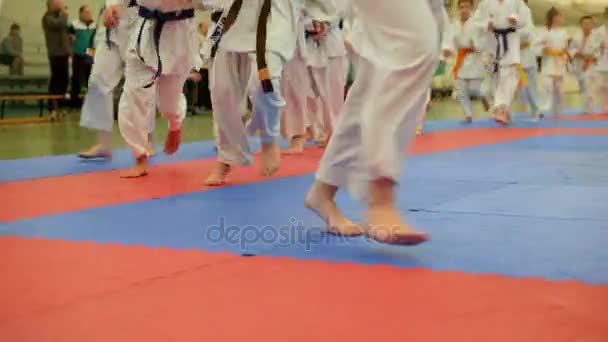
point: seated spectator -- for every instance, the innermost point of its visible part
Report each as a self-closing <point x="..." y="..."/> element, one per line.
<point x="11" y="51"/>
<point x="82" y="33"/>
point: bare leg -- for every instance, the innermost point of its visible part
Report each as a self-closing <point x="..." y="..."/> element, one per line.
<point x="219" y="174"/>
<point x="174" y="138"/>
<point x="151" y="148"/>
<point x="270" y="159"/>
<point x="296" y="145"/>
<point x="140" y="168"/>
<point x="321" y="200"/>
<point x="384" y="220"/>
<point x="102" y="149"/>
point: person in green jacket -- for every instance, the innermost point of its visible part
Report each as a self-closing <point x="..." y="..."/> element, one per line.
<point x="82" y="33"/>
<point x="11" y="51"/>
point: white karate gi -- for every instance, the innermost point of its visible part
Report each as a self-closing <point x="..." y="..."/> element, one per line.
<point x="528" y="93"/>
<point x="396" y="52"/>
<point x="553" y="70"/>
<point x="296" y="89"/>
<point x="585" y="73"/>
<point x="336" y="62"/>
<point x="233" y="64"/>
<point x="107" y="71"/>
<point x="317" y="62"/>
<point x="467" y="83"/>
<point x="498" y="12"/>
<point x="179" y="50"/>
<point x="601" y="35"/>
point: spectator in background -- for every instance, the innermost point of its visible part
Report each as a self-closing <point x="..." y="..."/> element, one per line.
<point x="11" y="51"/>
<point x="82" y="34"/>
<point x="55" y="26"/>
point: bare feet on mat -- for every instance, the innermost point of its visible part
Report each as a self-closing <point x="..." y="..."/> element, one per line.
<point x="309" y="134"/>
<point x="219" y="174"/>
<point x="323" y="141"/>
<point x="502" y="117"/>
<point x="270" y="159"/>
<point x="320" y="200"/>
<point x="174" y="138"/>
<point x="140" y="169"/>
<point x="386" y="225"/>
<point x="296" y="146"/>
<point x="97" y="151"/>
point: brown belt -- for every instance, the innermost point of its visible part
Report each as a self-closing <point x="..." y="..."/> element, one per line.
<point x="260" y="48"/>
<point x="264" y="74"/>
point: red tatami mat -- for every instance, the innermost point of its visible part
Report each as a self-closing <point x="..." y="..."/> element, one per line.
<point x="73" y="292"/>
<point x="22" y="200"/>
<point x="40" y="276"/>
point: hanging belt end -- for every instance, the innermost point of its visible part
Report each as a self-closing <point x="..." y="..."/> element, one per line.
<point x="266" y="80"/>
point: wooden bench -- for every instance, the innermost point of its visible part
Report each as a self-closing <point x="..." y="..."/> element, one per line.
<point x="41" y="98"/>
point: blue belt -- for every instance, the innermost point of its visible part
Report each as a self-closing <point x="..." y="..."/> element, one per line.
<point x="132" y="3"/>
<point x="161" y="19"/>
<point x="502" y="34"/>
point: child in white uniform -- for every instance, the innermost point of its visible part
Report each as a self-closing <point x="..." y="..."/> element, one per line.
<point x="465" y="43"/>
<point x="260" y="33"/>
<point x="296" y="88"/>
<point x="584" y="52"/>
<point x="602" y="67"/>
<point x="528" y="91"/>
<point x="503" y="20"/>
<point x="378" y="120"/>
<point x="162" y="52"/>
<point x="553" y="42"/>
<point x="108" y="70"/>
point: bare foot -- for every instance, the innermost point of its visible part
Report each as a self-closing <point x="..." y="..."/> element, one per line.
<point x="271" y="159"/>
<point x="296" y="146"/>
<point x="140" y="169"/>
<point x="386" y="225"/>
<point x="174" y="138"/>
<point x="309" y="134"/>
<point x="320" y="199"/>
<point x="323" y="141"/>
<point x="219" y="174"/>
<point x="502" y="117"/>
<point x="97" y="151"/>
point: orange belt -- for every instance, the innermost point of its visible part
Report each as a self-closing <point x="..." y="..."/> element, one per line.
<point x="587" y="61"/>
<point x="462" y="53"/>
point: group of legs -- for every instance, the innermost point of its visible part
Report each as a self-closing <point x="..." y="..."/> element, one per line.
<point x="365" y="154"/>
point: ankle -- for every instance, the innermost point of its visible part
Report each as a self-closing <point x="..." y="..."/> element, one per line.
<point x="381" y="193"/>
<point x="175" y="124"/>
<point x="324" y="191"/>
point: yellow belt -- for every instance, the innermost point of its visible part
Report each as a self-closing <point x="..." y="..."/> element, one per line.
<point x="524" y="46"/>
<point x="523" y="79"/>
